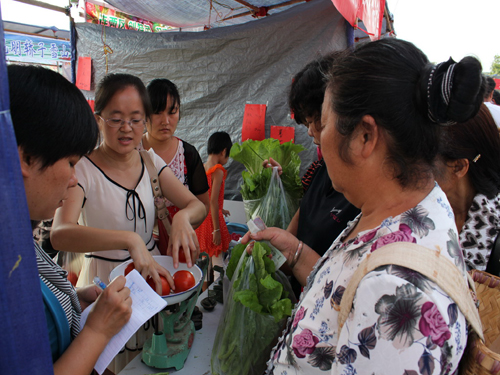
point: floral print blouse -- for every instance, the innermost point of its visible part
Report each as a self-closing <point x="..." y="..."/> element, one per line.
<point x="400" y="322"/>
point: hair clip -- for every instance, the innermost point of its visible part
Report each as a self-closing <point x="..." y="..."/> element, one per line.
<point x="476" y="158"/>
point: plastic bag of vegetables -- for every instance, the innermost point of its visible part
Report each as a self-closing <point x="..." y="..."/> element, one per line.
<point x="276" y="207"/>
<point x="266" y="194"/>
<point x="254" y="314"/>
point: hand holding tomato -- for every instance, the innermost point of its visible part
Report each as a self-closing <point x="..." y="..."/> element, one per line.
<point x="165" y="287"/>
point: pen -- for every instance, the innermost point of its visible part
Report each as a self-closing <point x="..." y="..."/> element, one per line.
<point x="99" y="283"/>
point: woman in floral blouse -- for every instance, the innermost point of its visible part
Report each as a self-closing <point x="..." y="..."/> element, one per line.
<point x="383" y="112"/>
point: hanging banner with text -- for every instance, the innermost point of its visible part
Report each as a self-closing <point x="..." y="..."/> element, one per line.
<point x="254" y="121"/>
<point x="112" y="18"/>
<point x="84" y="73"/>
<point x="37" y="49"/>
<point x="283" y="133"/>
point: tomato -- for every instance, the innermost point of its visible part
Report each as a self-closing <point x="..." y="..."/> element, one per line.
<point x="72" y="278"/>
<point x="183" y="281"/>
<point x="165" y="286"/>
<point x="130" y="267"/>
<point x="182" y="256"/>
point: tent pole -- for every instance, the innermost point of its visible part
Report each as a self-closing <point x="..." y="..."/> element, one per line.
<point x="253" y="7"/>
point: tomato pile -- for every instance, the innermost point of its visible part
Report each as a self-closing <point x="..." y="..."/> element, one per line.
<point x="183" y="280"/>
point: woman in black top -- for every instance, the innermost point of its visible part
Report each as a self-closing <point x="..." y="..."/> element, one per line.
<point x="323" y="213"/>
<point x="180" y="156"/>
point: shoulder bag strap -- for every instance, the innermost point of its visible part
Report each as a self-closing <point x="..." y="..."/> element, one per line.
<point x="161" y="209"/>
<point x="493" y="265"/>
<point x="429" y="263"/>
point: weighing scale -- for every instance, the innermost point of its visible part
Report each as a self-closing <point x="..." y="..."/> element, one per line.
<point x="170" y="347"/>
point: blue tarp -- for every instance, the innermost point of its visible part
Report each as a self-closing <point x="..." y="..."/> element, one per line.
<point x="23" y="328"/>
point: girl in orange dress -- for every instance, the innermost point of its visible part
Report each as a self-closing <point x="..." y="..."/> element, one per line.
<point x="213" y="235"/>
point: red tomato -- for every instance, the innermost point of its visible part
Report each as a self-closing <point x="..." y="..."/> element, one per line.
<point x="182" y="256"/>
<point x="165" y="286"/>
<point x="183" y="281"/>
<point x="72" y="278"/>
<point x="130" y="267"/>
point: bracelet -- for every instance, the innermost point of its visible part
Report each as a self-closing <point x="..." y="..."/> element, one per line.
<point x="217" y="230"/>
<point x="297" y="254"/>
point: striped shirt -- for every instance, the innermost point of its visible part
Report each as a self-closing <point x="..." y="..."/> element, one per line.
<point x="56" y="280"/>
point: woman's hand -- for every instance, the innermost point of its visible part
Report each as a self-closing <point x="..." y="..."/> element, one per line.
<point x="216" y="237"/>
<point x="281" y="239"/>
<point x="145" y="264"/>
<point x="183" y="235"/>
<point x="302" y="258"/>
<point x="226" y="213"/>
<point x="112" y="309"/>
<point x="87" y="295"/>
<point x="271" y="163"/>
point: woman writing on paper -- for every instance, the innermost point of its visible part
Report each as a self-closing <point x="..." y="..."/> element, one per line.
<point x="49" y="148"/>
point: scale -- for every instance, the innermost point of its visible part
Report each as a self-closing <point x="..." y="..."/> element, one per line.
<point x="170" y="346"/>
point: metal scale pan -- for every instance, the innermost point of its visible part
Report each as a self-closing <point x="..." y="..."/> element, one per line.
<point x="170" y="347"/>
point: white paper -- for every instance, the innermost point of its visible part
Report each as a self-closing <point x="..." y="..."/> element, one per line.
<point x="145" y="303"/>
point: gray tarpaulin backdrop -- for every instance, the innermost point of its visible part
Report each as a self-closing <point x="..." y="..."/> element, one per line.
<point x="220" y="70"/>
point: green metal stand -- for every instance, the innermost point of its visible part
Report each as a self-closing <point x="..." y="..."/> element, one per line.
<point x="171" y="347"/>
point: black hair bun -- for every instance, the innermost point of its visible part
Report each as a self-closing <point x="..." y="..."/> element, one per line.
<point x="454" y="91"/>
<point x="467" y="91"/>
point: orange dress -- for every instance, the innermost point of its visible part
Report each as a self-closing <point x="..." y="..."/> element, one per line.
<point x="205" y="230"/>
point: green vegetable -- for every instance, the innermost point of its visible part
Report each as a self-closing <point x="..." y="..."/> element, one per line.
<point x="253" y="316"/>
<point x="258" y="184"/>
<point x="235" y="258"/>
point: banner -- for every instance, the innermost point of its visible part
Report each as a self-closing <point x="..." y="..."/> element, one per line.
<point x="369" y="11"/>
<point x="37" y="49"/>
<point x="254" y="122"/>
<point x="111" y="18"/>
<point x="372" y="12"/>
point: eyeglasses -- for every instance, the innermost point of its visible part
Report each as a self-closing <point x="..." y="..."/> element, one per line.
<point x="119" y="122"/>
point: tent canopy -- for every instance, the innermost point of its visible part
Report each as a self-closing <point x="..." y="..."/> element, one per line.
<point x="201" y="13"/>
<point x="220" y="70"/>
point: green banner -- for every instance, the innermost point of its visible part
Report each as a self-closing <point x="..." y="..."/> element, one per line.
<point x="108" y="17"/>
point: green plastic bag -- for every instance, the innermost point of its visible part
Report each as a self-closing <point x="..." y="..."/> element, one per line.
<point x="254" y="313"/>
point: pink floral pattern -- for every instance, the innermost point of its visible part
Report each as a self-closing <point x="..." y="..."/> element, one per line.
<point x="298" y="317"/>
<point x="399" y="317"/>
<point x="304" y="343"/>
<point x="432" y="324"/>
<point x="367" y="237"/>
<point x="404" y="234"/>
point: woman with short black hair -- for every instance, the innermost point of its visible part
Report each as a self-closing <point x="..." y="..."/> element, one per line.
<point x="54" y="128"/>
